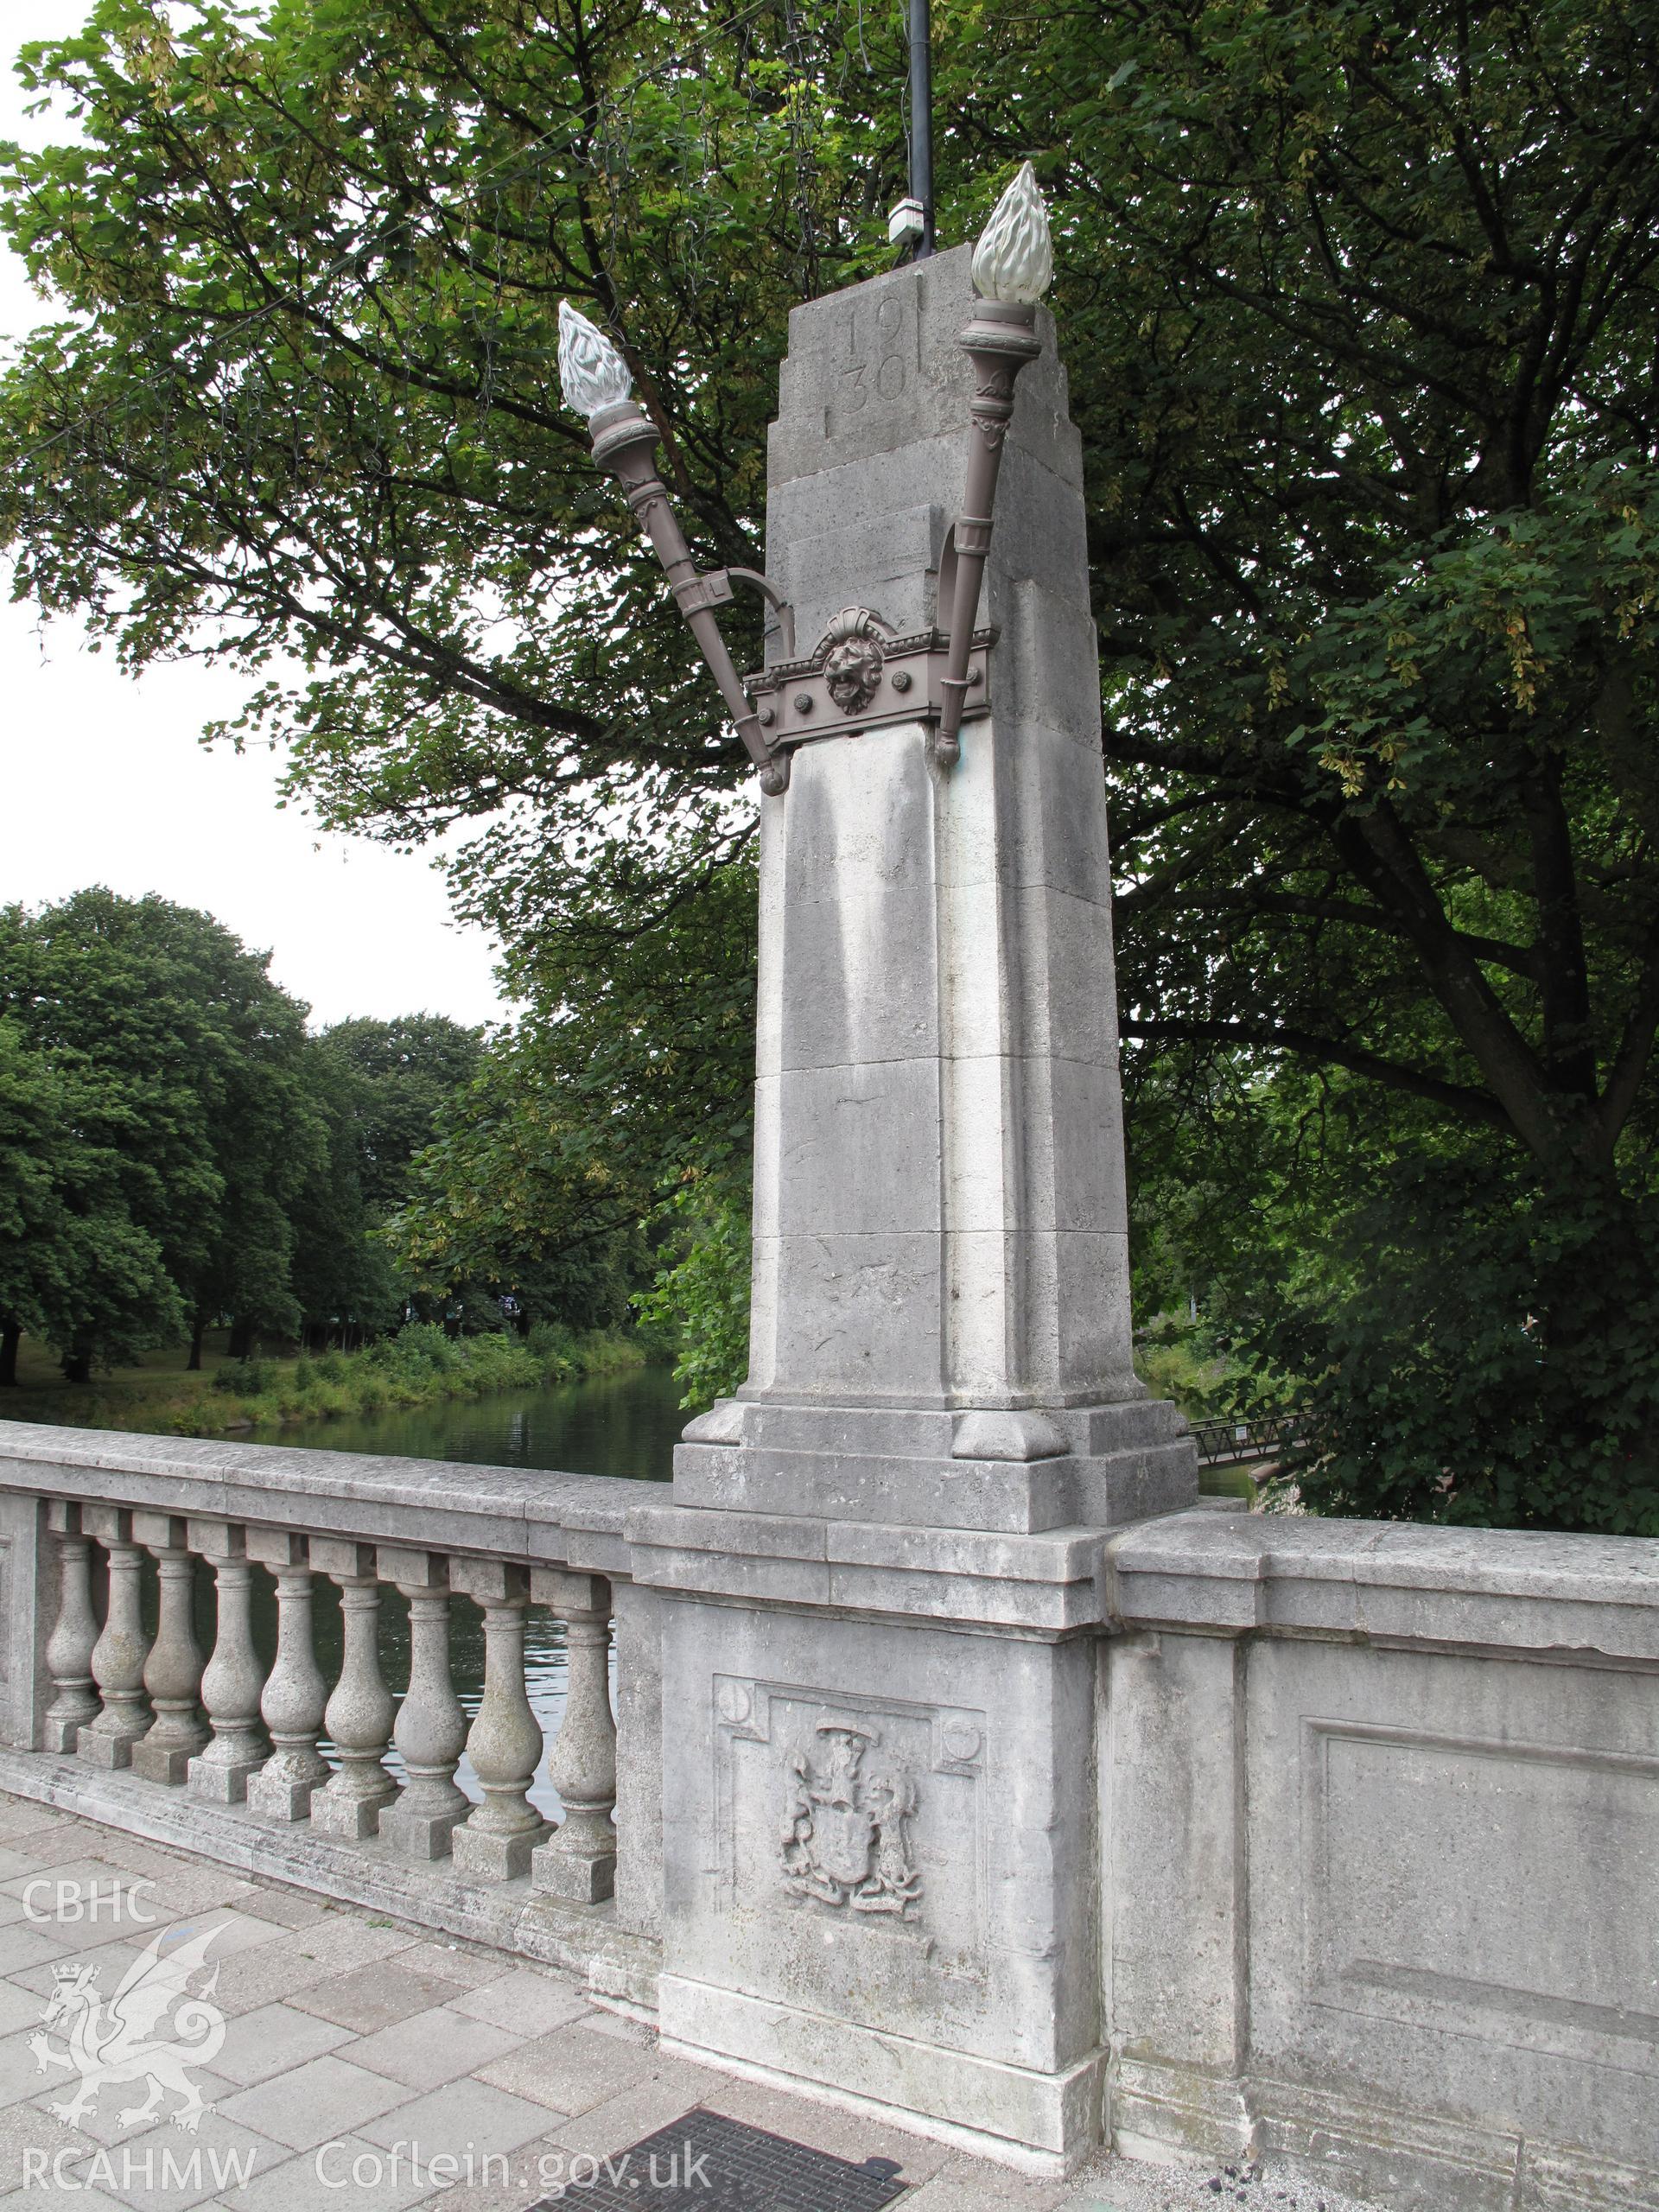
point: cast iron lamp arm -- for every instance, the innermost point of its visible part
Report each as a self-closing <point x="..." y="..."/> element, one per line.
<point x="597" y="384"/>
<point x="1013" y="267"/>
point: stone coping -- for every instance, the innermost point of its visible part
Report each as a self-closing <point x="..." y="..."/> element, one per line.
<point x="515" y="1513"/>
<point x="1518" y="1590"/>
<point x="1226" y="1573"/>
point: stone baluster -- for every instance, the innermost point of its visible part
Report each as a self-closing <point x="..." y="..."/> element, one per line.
<point x="173" y="1670"/>
<point x="118" y="1655"/>
<point x="504" y="1744"/>
<point x="431" y="1731"/>
<point x="294" y="1692"/>
<point x="232" y="1683"/>
<point x="579" y="1862"/>
<point x="74" y="1632"/>
<point x="358" y="1714"/>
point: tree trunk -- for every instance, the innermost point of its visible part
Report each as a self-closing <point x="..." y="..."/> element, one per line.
<point x="10" y="1337"/>
<point x="192" y="1365"/>
<point x="77" y="1364"/>
<point x="241" y="1343"/>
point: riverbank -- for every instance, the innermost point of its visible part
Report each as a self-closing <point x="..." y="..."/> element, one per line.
<point x="420" y="1366"/>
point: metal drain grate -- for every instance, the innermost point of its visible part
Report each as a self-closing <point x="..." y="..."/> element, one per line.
<point x="705" y="2163"/>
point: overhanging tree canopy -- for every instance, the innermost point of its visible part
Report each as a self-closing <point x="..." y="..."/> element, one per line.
<point x="1358" y="304"/>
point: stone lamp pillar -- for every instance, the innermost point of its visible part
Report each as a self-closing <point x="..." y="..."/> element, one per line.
<point x="881" y="1581"/>
<point x="941" y="1314"/>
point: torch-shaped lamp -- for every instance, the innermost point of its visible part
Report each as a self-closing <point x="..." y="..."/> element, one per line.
<point x="597" y="384"/>
<point x="1013" y="267"/>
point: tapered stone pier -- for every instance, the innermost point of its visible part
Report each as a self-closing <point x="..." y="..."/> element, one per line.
<point x="881" y="1852"/>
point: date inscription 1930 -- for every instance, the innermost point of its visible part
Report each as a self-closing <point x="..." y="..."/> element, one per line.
<point x="879" y="336"/>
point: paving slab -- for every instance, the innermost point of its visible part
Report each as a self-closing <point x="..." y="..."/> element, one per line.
<point x="468" y="1964"/>
<point x="273" y="1973"/>
<point x="163" y="2169"/>
<point x="24" y="2131"/>
<point x="430" y="2048"/>
<point x="463" y="2119"/>
<point x="19" y="2007"/>
<point x="358" y="2051"/>
<point x="325" y="2097"/>
<point x="621" y="2121"/>
<point x="573" y="2070"/>
<point x="376" y="1996"/>
<point x="353" y="2173"/>
<point x="273" y="2039"/>
<point x="529" y="2000"/>
<point x="23" y="1816"/>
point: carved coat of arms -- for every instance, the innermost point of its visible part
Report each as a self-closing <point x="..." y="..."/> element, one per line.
<point x="845" y="1833"/>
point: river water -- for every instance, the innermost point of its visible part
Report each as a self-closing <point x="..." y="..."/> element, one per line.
<point x="622" y="1424"/>
<point x="625" y="1424"/>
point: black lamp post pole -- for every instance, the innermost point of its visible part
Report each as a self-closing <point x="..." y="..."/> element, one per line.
<point x="921" y="122"/>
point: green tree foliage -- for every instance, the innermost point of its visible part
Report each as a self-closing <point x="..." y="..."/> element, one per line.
<point x="700" y="1296"/>
<point x="344" y="1277"/>
<point x="176" y="1147"/>
<point x="1349" y="1257"/>
<point x="174" y="1126"/>
<point x="587" y="1118"/>
<point x="509" y="1200"/>
<point x="382" y="1086"/>
<point x="76" y="1268"/>
<point x="1359" y="306"/>
<point x="393" y="1079"/>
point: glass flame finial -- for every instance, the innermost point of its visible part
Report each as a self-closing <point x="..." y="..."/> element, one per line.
<point x="591" y="371"/>
<point x="1015" y="259"/>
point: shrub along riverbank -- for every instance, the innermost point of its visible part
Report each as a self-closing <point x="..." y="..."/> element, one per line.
<point x="419" y="1366"/>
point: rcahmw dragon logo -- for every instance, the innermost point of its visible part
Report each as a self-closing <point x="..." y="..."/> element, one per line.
<point x="127" y="2041"/>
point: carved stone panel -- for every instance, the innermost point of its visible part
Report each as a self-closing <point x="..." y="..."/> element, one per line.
<point x="860" y="1814"/>
<point x="1493" y="1921"/>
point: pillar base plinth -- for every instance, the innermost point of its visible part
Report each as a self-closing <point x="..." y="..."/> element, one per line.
<point x="424" y="1837"/>
<point x="110" y="1753"/>
<point x="351" y="1819"/>
<point x="580" y="1878"/>
<point x="222" y="1783"/>
<point x="279" y="1797"/>
<point x="169" y="1763"/>
<point x="1017" y="1472"/>
<point x="494" y="1858"/>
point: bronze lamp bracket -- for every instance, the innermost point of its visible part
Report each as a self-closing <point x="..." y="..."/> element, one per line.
<point x="901" y="680"/>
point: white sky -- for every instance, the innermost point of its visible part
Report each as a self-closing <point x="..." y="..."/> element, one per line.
<point x="102" y="780"/>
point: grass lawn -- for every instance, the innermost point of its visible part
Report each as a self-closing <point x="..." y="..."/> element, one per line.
<point x="160" y="1378"/>
<point x="420" y="1366"/>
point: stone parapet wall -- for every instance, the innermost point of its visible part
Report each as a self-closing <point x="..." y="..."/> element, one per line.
<point x="1330" y="1842"/>
<point x="114" y="1704"/>
<point x="1380" y="1832"/>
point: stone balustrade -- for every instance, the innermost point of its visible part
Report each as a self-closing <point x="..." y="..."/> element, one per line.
<point x="1347" y="1826"/>
<point x="258" y="1744"/>
<point x="264" y="1759"/>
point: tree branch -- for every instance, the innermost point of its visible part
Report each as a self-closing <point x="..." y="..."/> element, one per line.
<point x="1269" y="1036"/>
<point x="1519" y="959"/>
<point x="1635" y="1051"/>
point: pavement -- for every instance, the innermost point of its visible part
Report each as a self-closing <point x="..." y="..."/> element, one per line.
<point x="341" y="2059"/>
